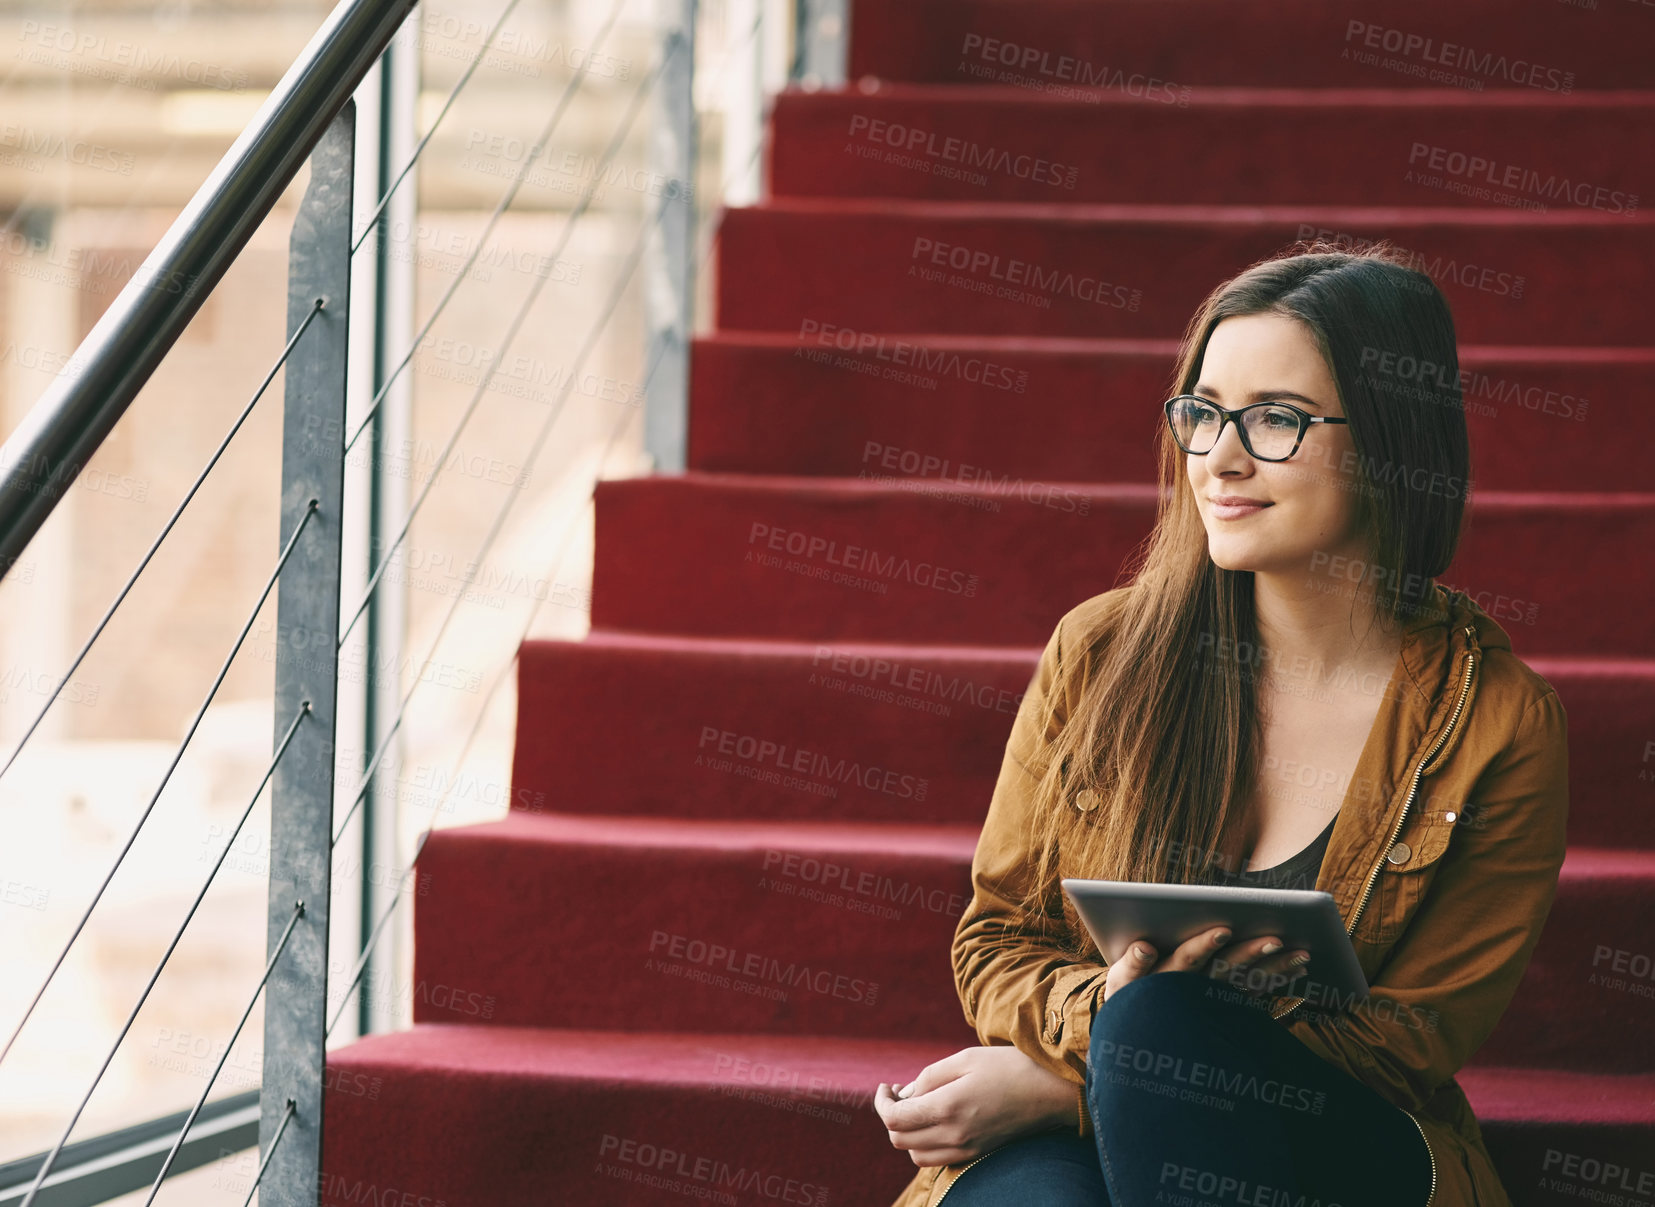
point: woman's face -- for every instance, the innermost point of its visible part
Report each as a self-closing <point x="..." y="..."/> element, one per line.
<point x="1309" y="501"/>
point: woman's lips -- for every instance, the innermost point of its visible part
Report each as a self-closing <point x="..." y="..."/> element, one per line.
<point x="1236" y="511"/>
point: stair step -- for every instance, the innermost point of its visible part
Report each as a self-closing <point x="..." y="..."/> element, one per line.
<point x="693" y="926"/>
<point x="785" y="730"/>
<point x="485" y="1116"/>
<point x="874" y="556"/>
<point x="935" y="714"/>
<point x="1558" y="1138"/>
<point x="1587" y="995"/>
<point x="1611" y="748"/>
<point x="1141" y="271"/>
<point x="490" y="1116"/>
<point x="846" y="930"/>
<point x="1529" y="150"/>
<point x="1022" y="412"/>
<point x="1157" y="49"/>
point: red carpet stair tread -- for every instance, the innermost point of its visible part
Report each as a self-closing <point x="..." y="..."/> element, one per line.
<point x="1154" y="48"/>
<point x="1139" y="271"/>
<point x="479" y="1115"/>
<point x="1381" y="146"/>
<point x="779" y="730"/>
<point x="743" y="809"/>
<point x="1028" y="413"/>
<point x="845" y="929"/>
<point x="845" y="559"/>
<point x="934" y="713"/>
<point x="772" y="927"/>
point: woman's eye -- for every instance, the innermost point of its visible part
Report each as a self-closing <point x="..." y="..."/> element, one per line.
<point x="1281" y="419"/>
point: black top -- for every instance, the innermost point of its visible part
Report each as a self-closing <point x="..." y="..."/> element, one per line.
<point x="1298" y="872"/>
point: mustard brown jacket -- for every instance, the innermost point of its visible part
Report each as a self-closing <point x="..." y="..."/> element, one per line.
<point x="1443" y="860"/>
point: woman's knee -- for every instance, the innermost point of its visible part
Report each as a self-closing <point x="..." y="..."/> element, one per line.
<point x="1050" y="1169"/>
<point x="1149" y="1002"/>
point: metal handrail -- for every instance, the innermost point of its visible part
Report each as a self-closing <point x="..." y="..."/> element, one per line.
<point x="115" y="360"/>
<point x="111" y="366"/>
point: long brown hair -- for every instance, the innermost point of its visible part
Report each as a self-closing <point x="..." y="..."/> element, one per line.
<point x="1165" y="733"/>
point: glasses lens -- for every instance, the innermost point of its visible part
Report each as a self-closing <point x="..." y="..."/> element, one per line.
<point x="1272" y="431"/>
<point x="1194" y="423"/>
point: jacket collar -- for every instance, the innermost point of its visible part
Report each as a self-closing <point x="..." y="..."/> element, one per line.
<point x="1435" y="638"/>
<point x="1438" y="647"/>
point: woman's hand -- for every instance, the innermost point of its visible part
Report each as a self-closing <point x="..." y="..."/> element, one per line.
<point x="1258" y="966"/>
<point x="973" y="1101"/>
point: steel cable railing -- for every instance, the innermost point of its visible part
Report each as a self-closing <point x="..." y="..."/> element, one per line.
<point x="371" y="944"/>
<point x="172" y="520"/>
<point x="500" y="208"/>
<point x="287" y="1115"/>
<point x="287" y="552"/>
<point x="448" y="103"/>
<point x="51" y="1157"/>
<point x="475" y="562"/>
<point x="476" y="725"/>
<point x="668" y="346"/>
<point x="541" y="277"/>
<point x="118" y="356"/>
<point x="189" y="1121"/>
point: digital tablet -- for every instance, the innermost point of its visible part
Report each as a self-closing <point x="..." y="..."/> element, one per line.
<point x="1164" y="915"/>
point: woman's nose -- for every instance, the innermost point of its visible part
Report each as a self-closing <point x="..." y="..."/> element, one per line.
<point x="1228" y="454"/>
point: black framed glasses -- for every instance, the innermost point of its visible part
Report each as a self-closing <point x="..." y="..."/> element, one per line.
<point x="1270" y="431"/>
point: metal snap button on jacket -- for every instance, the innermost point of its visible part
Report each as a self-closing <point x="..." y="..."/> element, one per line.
<point x="1400" y="853"/>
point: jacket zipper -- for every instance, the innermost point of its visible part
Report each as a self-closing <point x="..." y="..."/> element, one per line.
<point x="1433" y="1157"/>
<point x="990" y="1152"/>
<point x="1402" y="817"/>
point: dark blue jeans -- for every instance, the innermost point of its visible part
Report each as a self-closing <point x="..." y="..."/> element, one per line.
<point x="1199" y="1097"/>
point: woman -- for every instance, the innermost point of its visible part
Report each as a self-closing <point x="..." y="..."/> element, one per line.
<point x="1282" y="674"/>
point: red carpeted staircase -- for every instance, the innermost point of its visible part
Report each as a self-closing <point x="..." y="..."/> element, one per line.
<point x="745" y="807"/>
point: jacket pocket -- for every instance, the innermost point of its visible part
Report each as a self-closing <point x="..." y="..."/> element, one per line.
<point x="1408" y="868"/>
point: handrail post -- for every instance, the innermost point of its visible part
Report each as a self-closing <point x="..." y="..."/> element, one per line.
<point x="669" y="279"/>
<point x="307" y="624"/>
